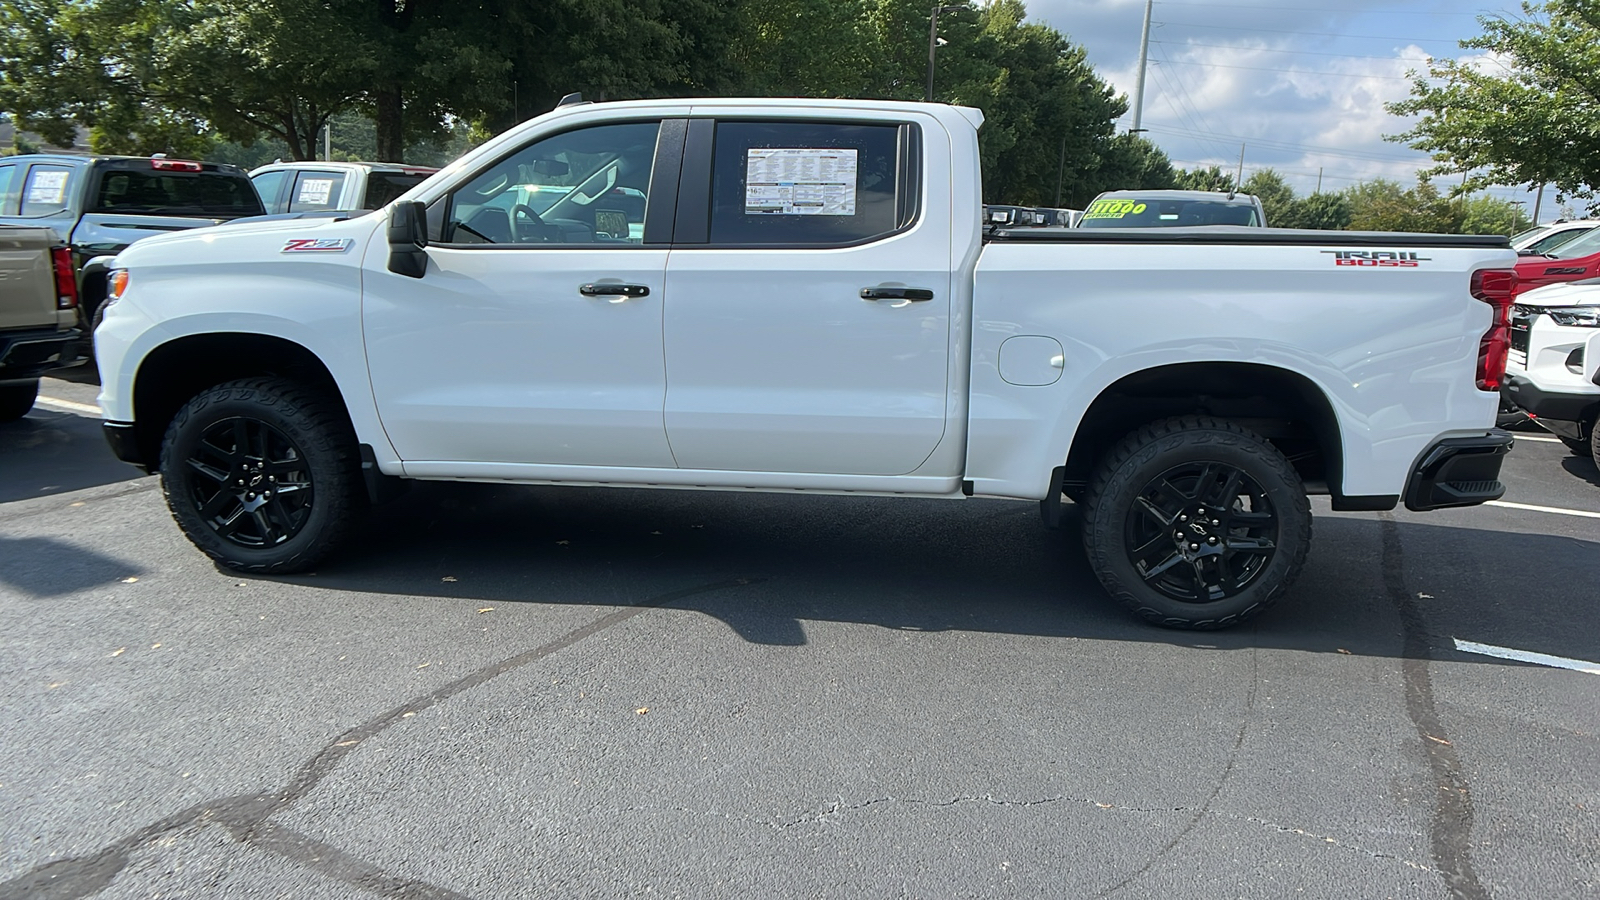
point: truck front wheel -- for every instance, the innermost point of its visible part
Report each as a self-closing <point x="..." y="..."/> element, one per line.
<point x="263" y="475"/>
<point x="1196" y="523"/>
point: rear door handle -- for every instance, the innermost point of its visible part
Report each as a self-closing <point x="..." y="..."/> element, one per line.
<point x="914" y="295"/>
<point x="614" y="289"/>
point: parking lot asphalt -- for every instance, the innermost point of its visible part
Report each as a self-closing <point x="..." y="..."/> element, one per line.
<point x="519" y="692"/>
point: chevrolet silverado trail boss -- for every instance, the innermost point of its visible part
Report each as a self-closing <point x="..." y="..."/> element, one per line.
<point x="806" y="302"/>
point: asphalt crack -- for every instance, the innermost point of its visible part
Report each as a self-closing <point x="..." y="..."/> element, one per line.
<point x="245" y="817"/>
<point x="1450" y="828"/>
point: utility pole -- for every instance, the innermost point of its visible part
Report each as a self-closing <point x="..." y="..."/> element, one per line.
<point x="1537" y="202"/>
<point x="1144" y="59"/>
<point x="327" y="142"/>
<point x="1319" y="179"/>
<point x="1061" y="170"/>
<point x="933" y="44"/>
<point x="1238" y="180"/>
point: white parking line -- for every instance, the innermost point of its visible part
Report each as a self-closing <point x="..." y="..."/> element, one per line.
<point x="1584" y="513"/>
<point x="68" y="405"/>
<point x="1542" y="659"/>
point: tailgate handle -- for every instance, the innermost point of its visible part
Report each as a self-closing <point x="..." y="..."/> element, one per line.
<point x="614" y="289"/>
<point x="915" y="295"/>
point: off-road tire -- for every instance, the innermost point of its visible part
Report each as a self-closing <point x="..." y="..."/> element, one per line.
<point x="1141" y="459"/>
<point x="17" y="399"/>
<point x="321" y="448"/>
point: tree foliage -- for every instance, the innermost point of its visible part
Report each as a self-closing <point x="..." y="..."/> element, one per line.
<point x="1529" y="116"/>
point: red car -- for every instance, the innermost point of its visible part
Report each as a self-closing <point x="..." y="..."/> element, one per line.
<point x="1575" y="260"/>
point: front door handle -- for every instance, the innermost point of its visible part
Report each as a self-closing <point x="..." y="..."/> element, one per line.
<point x="614" y="289"/>
<point x="912" y="295"/>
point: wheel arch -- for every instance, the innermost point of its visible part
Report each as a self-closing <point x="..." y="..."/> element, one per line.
<point x="1286" y="407"/>
<point x="174" y="371"/>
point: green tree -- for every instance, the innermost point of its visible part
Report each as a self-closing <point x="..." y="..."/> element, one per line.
<point x="1322" y="212"/>
<point x="1490" y="215"/>
<point x="1275" y="194"/>
<point x="1211" y="178"/>
<point x="1531" y="118"/>
<point x="1383" y="205"/>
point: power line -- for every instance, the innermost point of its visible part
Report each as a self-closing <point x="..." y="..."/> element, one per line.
<point x="1180" y="62"/>
<point x="1277" y="50"/>
<point x="1377" y="37"/>
<point x="1181" y="93"/>
<point x="1306" y="9"/>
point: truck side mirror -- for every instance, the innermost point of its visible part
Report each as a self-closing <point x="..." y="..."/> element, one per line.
<point x="408" y="239"/>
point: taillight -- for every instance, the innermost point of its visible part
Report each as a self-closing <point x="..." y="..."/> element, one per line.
<point x="174" y="165"/>
<point x="1494" y="287"/>
<point x="66" y="281"/>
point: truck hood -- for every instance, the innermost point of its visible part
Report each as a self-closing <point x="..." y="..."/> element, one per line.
<point x="251" y="242"/>
<point x="1572" y="293"/>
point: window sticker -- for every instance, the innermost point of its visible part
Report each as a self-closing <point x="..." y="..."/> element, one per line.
<point x="47" y="187"/>
<point x="1114" y="209"/>
<point x="800" y="182"/>
<point x="315" y="191"/>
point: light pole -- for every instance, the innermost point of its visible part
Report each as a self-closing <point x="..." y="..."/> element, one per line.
<point x="933" y="43"/>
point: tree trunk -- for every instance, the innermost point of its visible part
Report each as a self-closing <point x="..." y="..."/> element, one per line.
<point x="391" y="134"/>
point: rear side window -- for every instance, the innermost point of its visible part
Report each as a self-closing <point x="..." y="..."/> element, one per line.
<point x="315" y="191"/>
<point x="175" y="193"/>
<point x="5" y="185"/>
<point x="808" y="183"/>
<point x="384" y="187"/>
<point x="268" y="185"/>
<point x="46" y="190"/>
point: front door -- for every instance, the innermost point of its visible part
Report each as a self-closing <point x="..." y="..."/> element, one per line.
<point x="535" y="334"/>
<point x="808" y="326"/>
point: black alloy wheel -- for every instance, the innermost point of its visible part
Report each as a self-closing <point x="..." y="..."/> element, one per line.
<point x="263" y="474"/>
<point x="254" y="489"/>
<point x="1195" y="522"/>
<point x="1201" y="531"/>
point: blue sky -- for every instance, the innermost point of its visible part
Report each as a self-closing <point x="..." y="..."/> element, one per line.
<point x="1301" y="83"/>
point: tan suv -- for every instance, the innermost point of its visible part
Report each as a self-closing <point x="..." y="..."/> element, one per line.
<point x="38" y="314"/>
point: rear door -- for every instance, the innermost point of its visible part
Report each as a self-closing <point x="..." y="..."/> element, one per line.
<point x="808" y="322"/>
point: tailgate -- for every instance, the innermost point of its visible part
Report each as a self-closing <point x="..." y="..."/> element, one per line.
<point x="27" y="281"/>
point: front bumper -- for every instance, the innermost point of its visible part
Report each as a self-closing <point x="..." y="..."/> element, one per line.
<point x="1460" y="471"/>
<point x="25" y="355"/>
<point x="124" y="441"/>
<point x="1567" y="405"/>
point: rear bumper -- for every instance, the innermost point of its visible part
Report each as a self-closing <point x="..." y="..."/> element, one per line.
<point x="1459" y="471"/>
<point x="25" y="355"/>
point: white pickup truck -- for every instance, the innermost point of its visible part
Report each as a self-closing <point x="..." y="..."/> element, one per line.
<point x="786" y="295"/>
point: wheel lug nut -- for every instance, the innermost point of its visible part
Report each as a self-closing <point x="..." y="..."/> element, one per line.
<point x="1194" y="546"/>
<point x="1211" y="540"/>
<point x="1183" y="518"/>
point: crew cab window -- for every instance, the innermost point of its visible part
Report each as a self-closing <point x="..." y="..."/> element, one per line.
<point x="587" y="187"/>
<point x="268" y="184"/>
<point x="5" y="185"/>
<point x="808" y="183"/>
<point x="315" y="191"/>
<point x="46" y="190"/>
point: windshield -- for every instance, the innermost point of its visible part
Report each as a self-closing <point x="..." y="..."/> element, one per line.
<point x="1133" y="212"/>
<point x="176" y="193"/>
<point x="1588" y="243"/>
<point x="1550" y="242"/>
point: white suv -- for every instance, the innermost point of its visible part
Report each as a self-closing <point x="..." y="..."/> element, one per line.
<point x="1554" y="368"/>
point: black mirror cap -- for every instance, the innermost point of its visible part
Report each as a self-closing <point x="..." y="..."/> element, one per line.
<point x="408" y="238"/>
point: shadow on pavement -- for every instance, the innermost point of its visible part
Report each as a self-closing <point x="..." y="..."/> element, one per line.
<point x="47" y="567"/>
<point x="48" y="452"/>
<point x="1583" y="467"/>
<point x="928" y="565"/>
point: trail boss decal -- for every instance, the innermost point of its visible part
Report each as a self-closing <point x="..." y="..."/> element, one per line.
<point x="321" y="245"/>
<point x="1383" y="258"/>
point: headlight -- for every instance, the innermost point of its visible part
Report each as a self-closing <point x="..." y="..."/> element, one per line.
<point x="1581" y="316"/>
<point x="116" y="283"/>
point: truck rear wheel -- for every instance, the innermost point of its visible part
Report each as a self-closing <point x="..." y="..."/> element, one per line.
<point x="1196" y="523"/>
<point x="1581" y="447"/>
<point x="263" y="475"/>
<point x="17" y="399"/>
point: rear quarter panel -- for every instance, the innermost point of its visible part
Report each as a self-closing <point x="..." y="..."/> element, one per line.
<point x="1393" y="349"/>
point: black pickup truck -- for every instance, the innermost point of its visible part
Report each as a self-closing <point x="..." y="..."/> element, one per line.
<point x="98" y="205"/>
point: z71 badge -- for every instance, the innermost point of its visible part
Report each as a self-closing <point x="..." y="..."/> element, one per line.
<point x="323" y="245"/>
